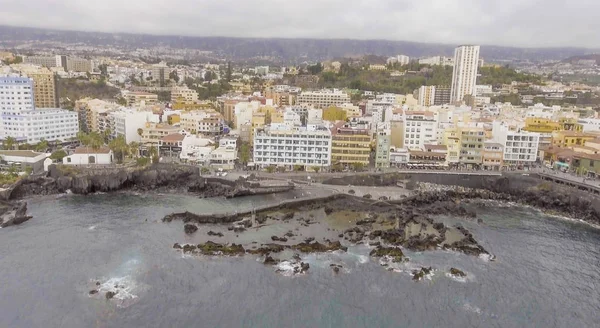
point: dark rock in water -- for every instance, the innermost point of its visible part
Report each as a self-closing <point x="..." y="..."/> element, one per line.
<point x="210" y="248"/>
<point x="13" y="213"/>
<point x="365" y="221"/>
<point x="110" y="295"/>
<point x="351" y="192"/>
<point x="216" y="234"/>
<point x="480" y="221"/>
<point x="375" y="244"/>
<point x="270" y="261"/>
<point x="189" y="248"/>
<point x="367" y="196"/>
<point x="288" y="216"/>
<point x="282" y="239"/>
<point x="304" y="267"/>
<point x="336" y="269"/>
<point x="457" y="272"/>
<point x="93" y="292"/>
<point x="418" y="275"/>
<point x="190" y="229"/>
<point x="239" y="229"/>
<point x="394" y="252"/>
<point x="309" y="239"/>
<point x="177" y="246"/>
<point x="289" y="234"/>
<point x="97" y="283"/>
<point x="317" y="247"/>
<point x="329" y="210"/>
<point x="384" y="198"/>
<point x="268" y="248"/>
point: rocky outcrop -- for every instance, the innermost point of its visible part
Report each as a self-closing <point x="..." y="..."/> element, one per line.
<point x="159" y="177"/>
<point x="13" y="213"/>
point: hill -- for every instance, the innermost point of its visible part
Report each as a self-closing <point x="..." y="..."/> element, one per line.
<point x="275" y="50"/>
<point x="575" y="59"/>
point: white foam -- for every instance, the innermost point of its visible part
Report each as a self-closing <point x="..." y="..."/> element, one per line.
<point x="471" y="308"/>
<point x="123" y="287"/>
<point x="92" y="227"/>
<point x="286" y="268"/>
<point x="456" y="278"/>
<point x="487" y="257"/>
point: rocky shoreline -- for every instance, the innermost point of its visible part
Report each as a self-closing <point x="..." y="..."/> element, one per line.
<point x="13" y="213"/>
<point x="330" y="224"/>
<point x="159" y="177"/>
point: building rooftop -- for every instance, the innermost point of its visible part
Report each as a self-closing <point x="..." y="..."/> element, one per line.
<point x="174" y="137"/>
<point x="20" y="153"/>
<point x="435" y="147"/>
<point x="90" y="150"/>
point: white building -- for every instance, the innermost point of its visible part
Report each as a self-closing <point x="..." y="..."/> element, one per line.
<point x="464" y="74"/>
<point x="279" y="145"/>
<point x="184" y="95"/>
<point x="427" y="95"/>
<point x="314" y="116"/>
<point x="323" y="98"/>
<point x="19" y="118"/>
<point x="243" y="112"/>
<point x="126" y="123"/>
<point x="590" y="124"/>
<point x="89" y="156"/>
<point x="483" y="89"/>
<point x="291" y="118"/>
<point x="520" y="147"/>
<point x="420" y="128"/>
<point x="437" y="60"/>
<point x="196" y="149"/>
<point x="225" y="155"/>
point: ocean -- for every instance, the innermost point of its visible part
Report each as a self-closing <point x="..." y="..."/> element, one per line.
<point x="546" y="273"/>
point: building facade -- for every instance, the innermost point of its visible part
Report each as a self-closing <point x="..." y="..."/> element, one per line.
<point x="323" y="99"/>
<point x="420" y="128"/>
<point x="382" y="149"/>
<point x="464" y="74"/>
<point x="282" y="145"/>
<point x="19" y="118"/>
<point x="350" y="145"/>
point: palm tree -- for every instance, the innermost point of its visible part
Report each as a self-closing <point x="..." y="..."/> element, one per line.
<point x="42" y="146"/>
<point x="119" y="147"/>
<point x="140" y="131"/>
<point x="9" y="143"/>
<point x="152" y="153"/>
<point x="83" y="138"/>
<point x="134" y="149"/>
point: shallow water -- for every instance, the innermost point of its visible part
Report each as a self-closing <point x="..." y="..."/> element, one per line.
<point x="546" y="274"/>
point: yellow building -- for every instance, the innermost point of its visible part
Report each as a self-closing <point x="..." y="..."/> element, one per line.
<point x="258" y="122"/>
<point x="44" y="85"/>
<point x="173" y="119"/>
<point x="334" y="114"/>
<point x="452" y="142"/>
<point x="139" y="98"/>
<point x="544" y="125"/>
<point x="471" y="146"/>
<point x="184" y="95"/>
<point x="571" y="138"/>
<point x="397" y="134"/>
<point x="350" y="145"/>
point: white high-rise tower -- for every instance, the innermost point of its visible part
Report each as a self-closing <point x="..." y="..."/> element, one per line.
<point x="464" y="75"/>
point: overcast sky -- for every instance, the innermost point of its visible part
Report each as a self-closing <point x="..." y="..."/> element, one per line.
<point x="535" y="23"/>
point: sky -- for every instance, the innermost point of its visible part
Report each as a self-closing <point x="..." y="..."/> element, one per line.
<point x="521" y="23"/>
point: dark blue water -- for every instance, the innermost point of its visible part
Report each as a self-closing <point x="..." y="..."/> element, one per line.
<point x="546" y="274"/>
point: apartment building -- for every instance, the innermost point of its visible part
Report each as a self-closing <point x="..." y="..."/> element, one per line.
<point x="572" y="138"/>
<point x="434" y="95"/>
<point x="493" y="154"/>
<point x="78" y="64"/>
<point x="184" y="95"/>
<point x="420" y="128"/>
<point x="160" y="73"/>
<point x="382" y="149"/>
<point x="545" y="125"/>
<point x="141" y="98"/>
<point x="152" y="133"/>
<point x="44" y="84"/>
<point x="471" y="146"/>
<point x="350" y="144"/>
<point x="464" y="74"/>
<point x="520" y="147"/>
<point x="21" y="120"/>
<point x="202" y="122"/>
<point x="282" y="145"/>
<point x="45" y="61"/>
<point x="437" y="60"/>
<point x="127" y="123"/>
<point x="323" y="98"/>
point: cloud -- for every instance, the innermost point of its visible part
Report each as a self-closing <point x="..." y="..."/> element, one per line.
<point x="529" y="23"/>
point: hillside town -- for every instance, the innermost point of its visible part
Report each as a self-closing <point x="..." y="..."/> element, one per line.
<point x="434" y="113"/>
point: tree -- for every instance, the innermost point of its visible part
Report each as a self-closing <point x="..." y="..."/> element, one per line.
<point x="153" y="154"/>
<point x="134" y="149"/>
<point x="103" y="69"/>
<point x="315" y="69"/>
<point x="337" y="167"/>
<point x="298" y="168"/>
<point x="209" y="76"/>
<point x="9" y="143"/>
<point x="316" y="169"/>
<point x="42" y="146"/>
<point x="174" y="76"/>
<point x="121" y="101"/>
<point x="83" y="138"/>
<point x="204" y="170"/>
<point x="140" y="132"/>
<point x="271" y="168"/>
<point x="358" y="166"/>
<point x="119" y="147"/>
<point x="244" y="153"/>
<point x="58" y="155"/>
